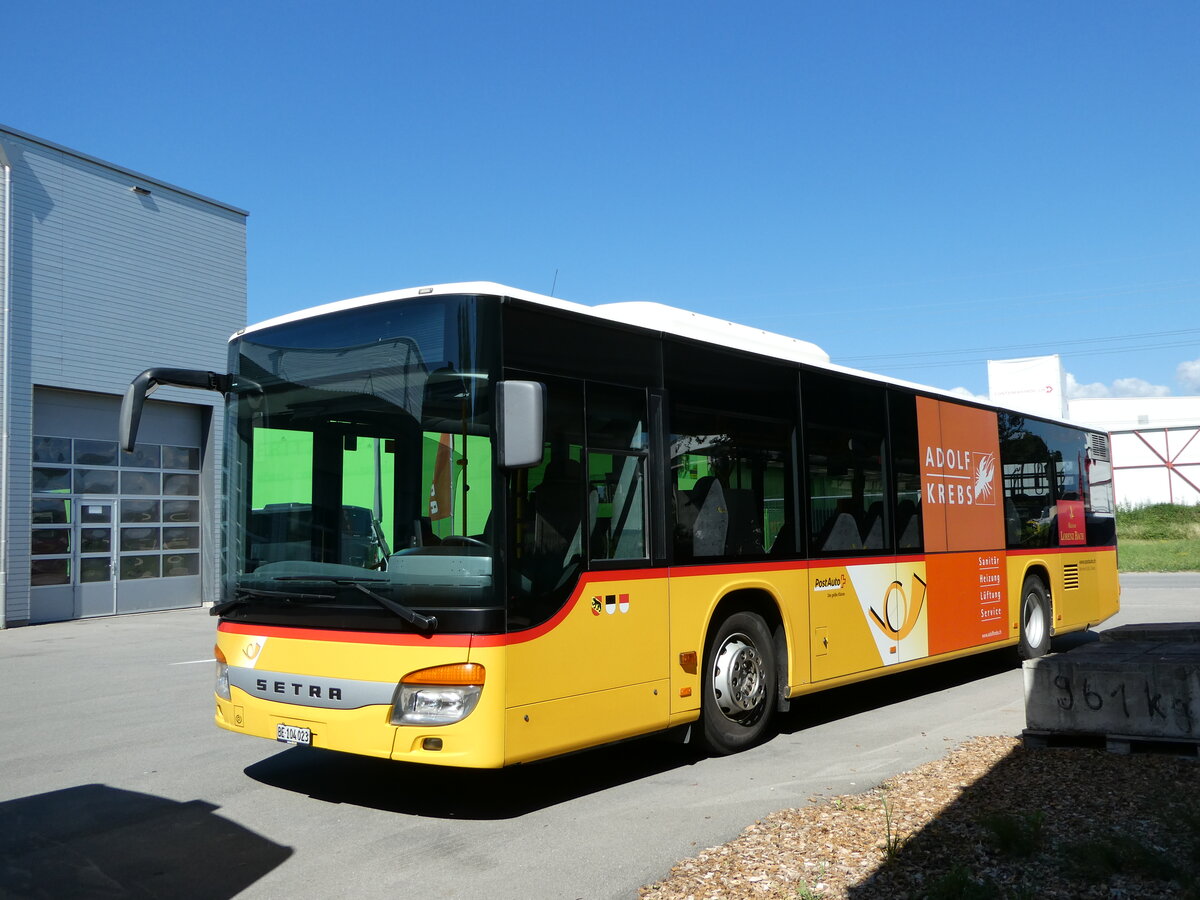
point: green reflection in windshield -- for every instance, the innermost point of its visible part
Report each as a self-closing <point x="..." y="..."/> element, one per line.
<point x="456" y="505"/>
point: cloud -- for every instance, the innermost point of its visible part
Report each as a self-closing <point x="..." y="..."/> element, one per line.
<point x="968" y="395"/>
<point x="1077" y="391"/>
<point x="1138" y="387"/>
<point x="1121" y="387"/>
<point x="1188" y="376"/>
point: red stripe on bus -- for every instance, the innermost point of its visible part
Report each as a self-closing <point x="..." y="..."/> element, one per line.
<point x="441" y="640"/>
<point x="792" y="565"/>
<point x="347" y="637"/>
<point x="588" y="578"/>
<point x="598" y="577"/>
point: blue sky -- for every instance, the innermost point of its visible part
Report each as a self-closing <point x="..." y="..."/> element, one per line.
<point x="917" y="187"/>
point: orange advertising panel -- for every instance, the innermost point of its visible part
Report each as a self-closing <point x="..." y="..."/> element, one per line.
<point x="966" y="600"/>
<point x="962" y="511"/>
<point x="960" y="477"/>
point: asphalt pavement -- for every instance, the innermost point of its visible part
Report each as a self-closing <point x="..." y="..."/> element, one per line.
<point x="115" y="783"/>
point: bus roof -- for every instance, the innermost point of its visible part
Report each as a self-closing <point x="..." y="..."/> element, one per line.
<point x="642" y="314"/>
<point x="655" y="316"/>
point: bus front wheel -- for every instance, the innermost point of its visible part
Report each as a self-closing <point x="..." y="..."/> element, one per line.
<point x="739" y="683"/>
<point x="1035" y="619"/>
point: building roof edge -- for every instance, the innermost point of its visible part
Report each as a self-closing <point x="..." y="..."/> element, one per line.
<point x="5" y="129"/>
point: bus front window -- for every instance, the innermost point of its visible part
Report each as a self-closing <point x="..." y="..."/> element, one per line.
<point x="361" y="466"/>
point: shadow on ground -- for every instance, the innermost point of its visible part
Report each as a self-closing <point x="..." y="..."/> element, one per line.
<point x="98" y="841"/>
<point x="829" y="706"/>
<point x="1053" y="822"/>
<point x="471" y="794"/>
<point x="465" y="793"/>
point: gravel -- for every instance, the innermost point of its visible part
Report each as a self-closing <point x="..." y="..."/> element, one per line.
<point x="990" y="819"/>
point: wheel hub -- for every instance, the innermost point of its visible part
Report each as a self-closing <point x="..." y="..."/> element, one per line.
<point x="1035" y="622"/>
<point x="739" y="680"/>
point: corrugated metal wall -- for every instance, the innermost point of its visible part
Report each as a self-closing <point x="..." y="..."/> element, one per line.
<point x="106" y="281"/>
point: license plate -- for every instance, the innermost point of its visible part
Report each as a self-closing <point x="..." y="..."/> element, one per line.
<point x="291" y="734"/>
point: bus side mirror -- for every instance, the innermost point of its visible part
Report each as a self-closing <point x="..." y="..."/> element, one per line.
<point x="145" y="384"/>
<point x="520" y="417"/>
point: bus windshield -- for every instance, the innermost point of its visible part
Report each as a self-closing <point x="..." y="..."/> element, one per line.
<point x="360" y="470"/>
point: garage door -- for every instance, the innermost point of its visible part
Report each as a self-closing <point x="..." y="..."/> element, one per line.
<point x="114" y="532"/>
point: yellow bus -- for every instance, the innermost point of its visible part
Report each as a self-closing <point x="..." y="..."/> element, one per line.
<point x="474" y="526"/>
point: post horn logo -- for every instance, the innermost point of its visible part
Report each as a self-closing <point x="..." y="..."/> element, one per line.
<point x="251" y="650"/>
<point x="900" y="612"/>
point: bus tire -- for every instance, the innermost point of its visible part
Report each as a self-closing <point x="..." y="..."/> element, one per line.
<point x="1035" y="619"/>
<point x="739" y="684"/>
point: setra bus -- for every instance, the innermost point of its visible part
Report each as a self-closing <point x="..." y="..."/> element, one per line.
<point x="474" y="526"/>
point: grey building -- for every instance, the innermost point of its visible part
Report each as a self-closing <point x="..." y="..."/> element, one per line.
<point x="105" y="272"/>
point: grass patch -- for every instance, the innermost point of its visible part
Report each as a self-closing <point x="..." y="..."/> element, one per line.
<point x="1158" y="556"/>
<point x="1160" y="538"/>
<point x="958" y="884"/>
<point x="1097" y="861"/>
<point x="1019" y="836"/>
<point x="893" y="841"/>
<point x="1159" y="522"/>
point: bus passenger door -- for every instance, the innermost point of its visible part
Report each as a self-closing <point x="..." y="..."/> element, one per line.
<point x="865" y="612"/>
<point x="587" y="659"/>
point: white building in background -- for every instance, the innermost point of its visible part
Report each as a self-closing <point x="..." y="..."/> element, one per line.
<point x="1155" y="445"/>
<point x="1155" y="441"/>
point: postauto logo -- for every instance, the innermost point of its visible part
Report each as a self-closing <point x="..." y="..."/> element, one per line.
<point x="834" y="583"/>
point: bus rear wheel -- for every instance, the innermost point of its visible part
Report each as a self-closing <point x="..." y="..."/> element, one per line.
<point x="1035" y="619"/>
<point x="739" y="684"/>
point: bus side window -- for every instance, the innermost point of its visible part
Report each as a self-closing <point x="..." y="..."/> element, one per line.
<point x="1044" y="463"/>
<point x="548" y="505"/>
<point x="845" y="429"/>
<point x="731" y="480"/>
<point x="617" y="449"/>
<point x="906" y="470"/>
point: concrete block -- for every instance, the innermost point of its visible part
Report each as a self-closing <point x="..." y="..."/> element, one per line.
<point x="1135" y="689"/>
<point x="1150" y="632"/>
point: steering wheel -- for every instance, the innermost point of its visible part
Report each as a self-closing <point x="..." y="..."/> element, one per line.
<point x="465" y="541"/>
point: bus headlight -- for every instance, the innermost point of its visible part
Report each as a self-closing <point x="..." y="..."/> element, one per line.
<point x="222" y="685"/>
<point x="438" y="696"/>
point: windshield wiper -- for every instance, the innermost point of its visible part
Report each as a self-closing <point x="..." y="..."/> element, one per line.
<point x="411" y="616"/>
<point x="244" y="595"/>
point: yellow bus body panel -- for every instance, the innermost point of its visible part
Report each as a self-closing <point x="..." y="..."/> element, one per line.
<point x="476" y="741"/>
<point x="616" y="661"/>
<point x="695" y="595"/>
<point x="597" y="672"/>
<point x="1082" y="586"/>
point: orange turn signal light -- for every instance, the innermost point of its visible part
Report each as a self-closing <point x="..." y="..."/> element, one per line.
<point x="687" y="659"/>
<point x="218" y="654"/>
<point x="456" y="673"/>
